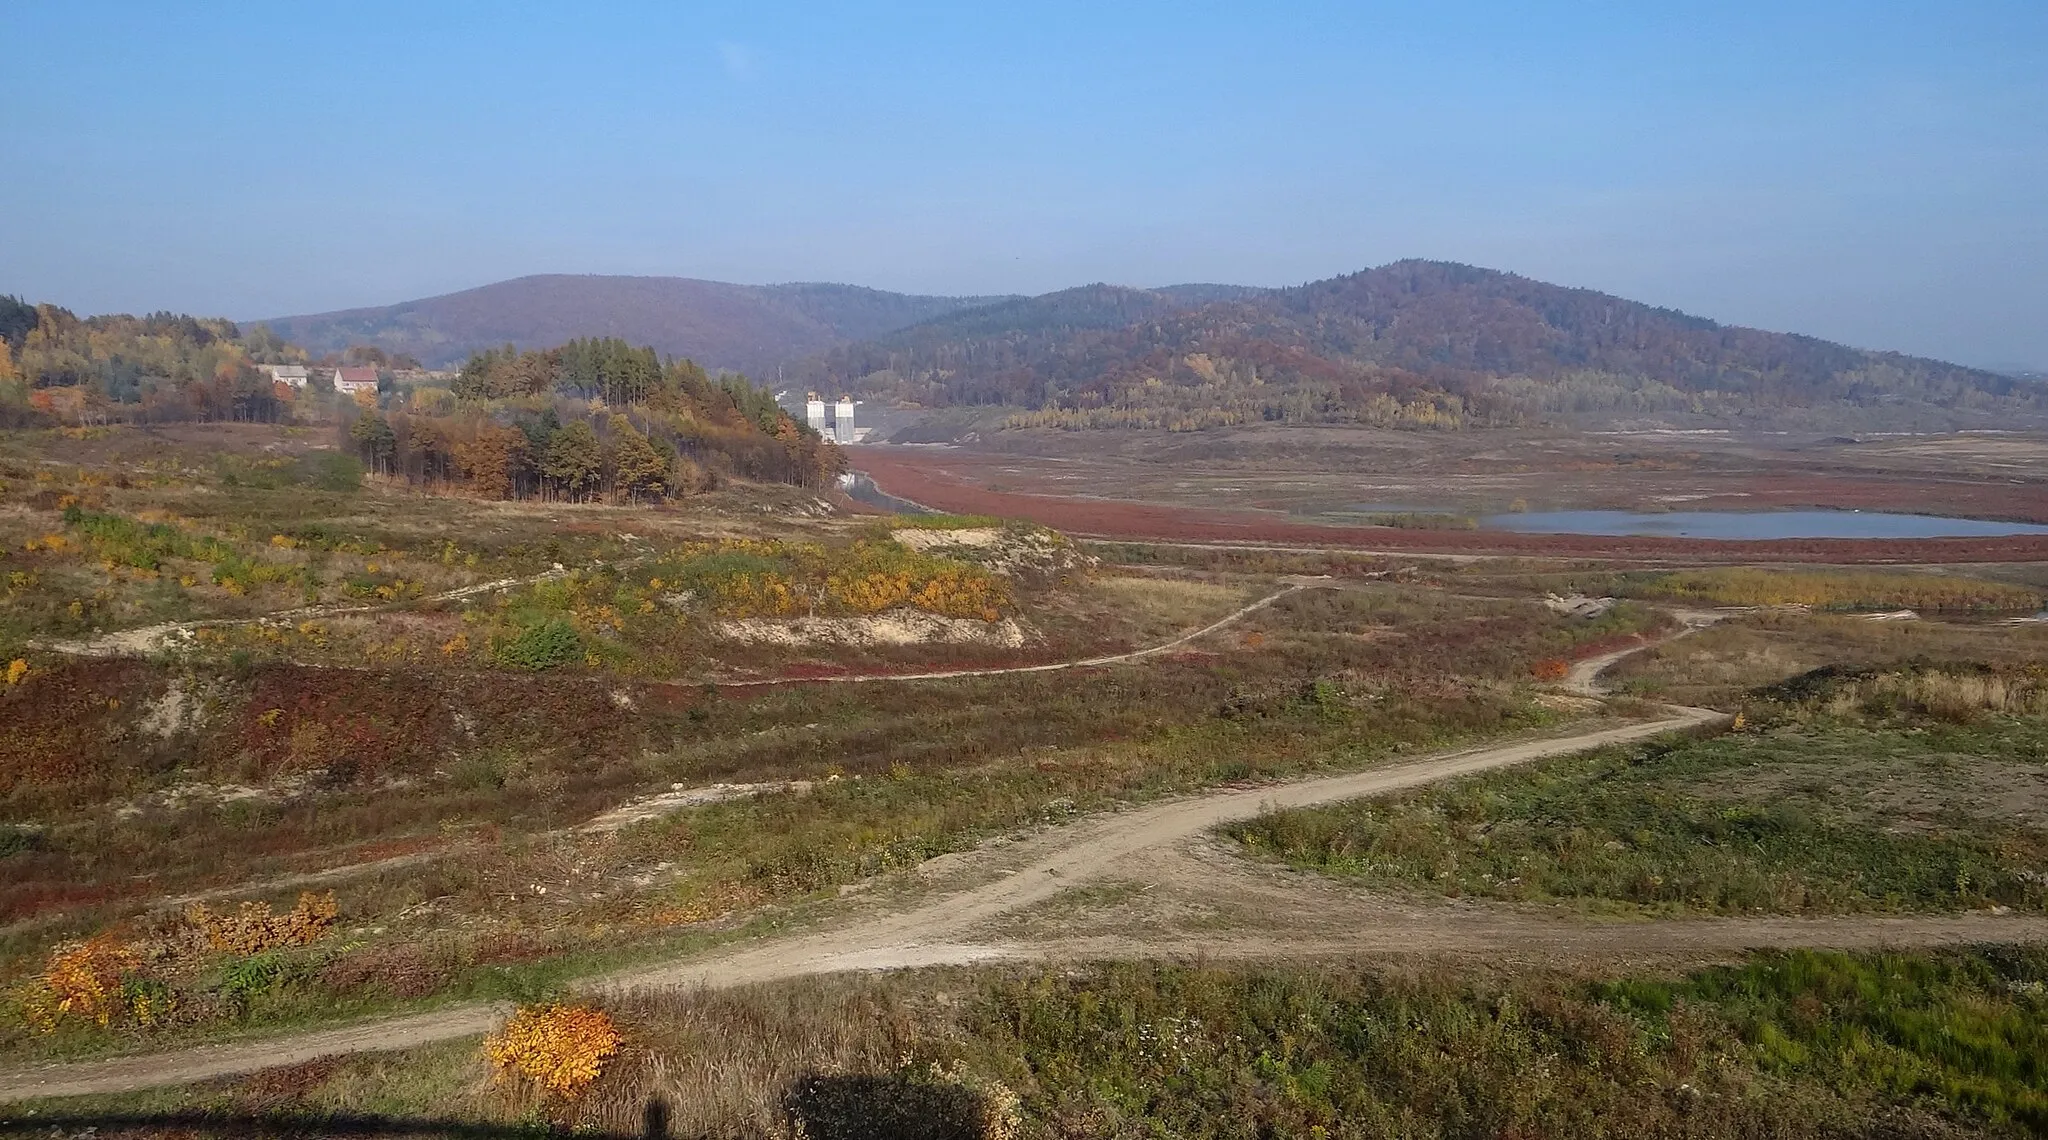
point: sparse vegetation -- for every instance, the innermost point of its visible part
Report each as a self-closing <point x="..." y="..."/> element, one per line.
<point x="1824" y="816"/>
<point x="511" y="733"/>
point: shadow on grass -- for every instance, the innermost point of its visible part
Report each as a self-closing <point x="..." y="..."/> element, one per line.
<point x="821" y="1107"/>
<point x="107" y="1126"/>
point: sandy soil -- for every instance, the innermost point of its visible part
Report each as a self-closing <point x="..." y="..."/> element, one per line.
<point x="1231" y="618"/>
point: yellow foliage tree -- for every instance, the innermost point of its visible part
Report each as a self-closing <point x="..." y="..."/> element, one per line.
<point x="560" y="1048"/>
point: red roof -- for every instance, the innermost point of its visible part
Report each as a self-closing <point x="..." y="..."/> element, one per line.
<point x="360" y="375"/>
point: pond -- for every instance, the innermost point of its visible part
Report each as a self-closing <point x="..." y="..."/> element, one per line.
<point x="862" y="489"/>
<point x="1755" y="524"/>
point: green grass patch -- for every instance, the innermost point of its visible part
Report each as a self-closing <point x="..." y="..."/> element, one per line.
<point x="1822" y="819"/>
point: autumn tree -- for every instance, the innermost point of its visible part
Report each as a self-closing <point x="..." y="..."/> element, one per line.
<point x="574" y="459"/>
<point x="492" y="459"/>
<point x="638" y="466"/>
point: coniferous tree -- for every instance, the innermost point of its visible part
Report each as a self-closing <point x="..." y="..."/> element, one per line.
<point x="574" y="459"/>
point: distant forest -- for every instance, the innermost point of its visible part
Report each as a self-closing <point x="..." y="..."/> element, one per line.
<point x="744" y="328"/>
<point x="152" y="369"/>
<point x="1413" y="344"/>
<point x="587" y="419"/>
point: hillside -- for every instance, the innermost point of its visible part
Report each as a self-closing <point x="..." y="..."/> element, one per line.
<point x="745" y="328"/>
<point x="1412" y="343"/>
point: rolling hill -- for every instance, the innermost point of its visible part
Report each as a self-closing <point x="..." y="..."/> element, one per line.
<point x="744" y="328"/>
<point x="1414" y="343"/>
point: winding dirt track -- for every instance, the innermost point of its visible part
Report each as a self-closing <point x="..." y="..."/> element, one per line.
<point x="960" y="917"/>
<point x="929" y="934"/>
<point x="983" y="887"/>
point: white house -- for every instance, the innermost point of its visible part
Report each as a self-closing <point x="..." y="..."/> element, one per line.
<point x="293" y="374"/>
<point x="349" y="381"/>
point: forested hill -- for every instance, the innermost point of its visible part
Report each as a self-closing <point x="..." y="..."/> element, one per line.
<point x="744" y="328"/>
<point x="1413" y="343"/>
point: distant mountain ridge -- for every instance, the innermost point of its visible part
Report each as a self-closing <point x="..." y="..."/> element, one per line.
<point x="1412" y="343"/>
<point x="1418" y="343"/>
<point x="742" y="328"/>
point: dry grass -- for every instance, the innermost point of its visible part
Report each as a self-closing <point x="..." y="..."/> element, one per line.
<point x="1170" y="603"/>
<point x="1943" y="694"/>
<point x="1716" y="666"/>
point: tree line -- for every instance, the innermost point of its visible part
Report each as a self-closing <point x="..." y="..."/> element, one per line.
<point x="153" y="368"/>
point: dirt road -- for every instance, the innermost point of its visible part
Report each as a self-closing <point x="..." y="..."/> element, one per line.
<point x="972" y="891"/>
<point x="997" y="882"/>
<point x="976" y="906"/>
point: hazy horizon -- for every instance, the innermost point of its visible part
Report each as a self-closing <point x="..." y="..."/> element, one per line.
<point x="1875" y="174"/>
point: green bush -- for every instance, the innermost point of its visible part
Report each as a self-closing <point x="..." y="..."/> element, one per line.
<point x="544" y="645"/>
<point x="334" y="471"/>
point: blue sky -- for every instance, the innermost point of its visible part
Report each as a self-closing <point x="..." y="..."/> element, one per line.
<point x="1870" y="172"/>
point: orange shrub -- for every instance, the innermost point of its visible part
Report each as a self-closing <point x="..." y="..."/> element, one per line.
<point x="1550" y="669"/>
<point x="560" y="1048"/>
<point x="252" y="928"/>
<point x="82" y="979"/>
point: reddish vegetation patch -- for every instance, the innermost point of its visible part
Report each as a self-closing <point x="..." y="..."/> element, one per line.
<point x="21" y="899"/>
<point x="947" y="481"/>
<point x="87" y="730"/>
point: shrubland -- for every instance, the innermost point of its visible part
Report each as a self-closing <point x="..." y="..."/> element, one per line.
<point x="270" y="768"/>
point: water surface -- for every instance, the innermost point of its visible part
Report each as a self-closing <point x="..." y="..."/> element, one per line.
<point x="1755" y="524"/>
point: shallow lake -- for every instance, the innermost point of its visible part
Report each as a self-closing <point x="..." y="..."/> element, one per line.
<point x="1756" y="524"/>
